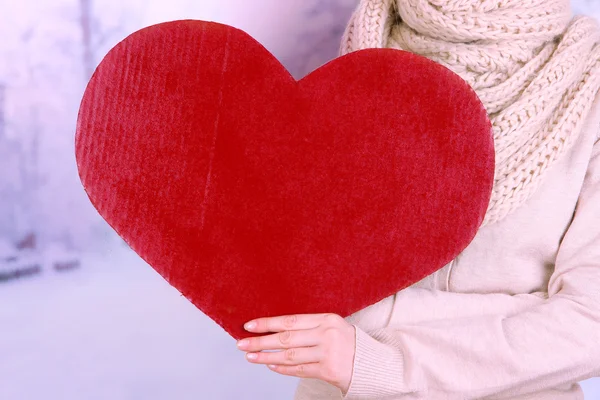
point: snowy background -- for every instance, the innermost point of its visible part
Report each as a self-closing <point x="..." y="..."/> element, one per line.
<point x="82" y="317"/>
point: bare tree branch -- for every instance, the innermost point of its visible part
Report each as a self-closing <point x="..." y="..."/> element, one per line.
<point x="2" y="110"/>
<point x="86" y="32"/>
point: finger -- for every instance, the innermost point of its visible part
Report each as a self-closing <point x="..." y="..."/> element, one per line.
<point x="282" y="340"/>
<point x="291" y="356"/>
<point x="287" y="322"/>
<point x="302" y="370"/>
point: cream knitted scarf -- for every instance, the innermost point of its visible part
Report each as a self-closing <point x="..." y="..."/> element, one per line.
<point x="534" y="67"/>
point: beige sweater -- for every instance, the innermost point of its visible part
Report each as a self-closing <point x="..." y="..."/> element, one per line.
<point x="515" y="316"/>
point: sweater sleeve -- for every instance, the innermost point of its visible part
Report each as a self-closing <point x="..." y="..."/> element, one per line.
<point x="541" y="344"/>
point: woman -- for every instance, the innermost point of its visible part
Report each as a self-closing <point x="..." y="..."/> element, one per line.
<point x="517" y="314"/>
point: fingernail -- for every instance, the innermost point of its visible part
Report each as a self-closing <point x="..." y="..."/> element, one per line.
<point x="250" y="325"/>
<point x="243" y="343"/>
<point x="252" y="356"/>
<point x="272" y="366"/>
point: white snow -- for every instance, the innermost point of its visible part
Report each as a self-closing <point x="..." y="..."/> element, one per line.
<point x="115" y="329"/>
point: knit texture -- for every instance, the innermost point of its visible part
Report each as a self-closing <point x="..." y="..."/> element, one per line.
<point x="533" y="65"/>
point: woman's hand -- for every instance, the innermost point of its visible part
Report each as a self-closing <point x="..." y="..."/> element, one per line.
<point x="319" y="346"/>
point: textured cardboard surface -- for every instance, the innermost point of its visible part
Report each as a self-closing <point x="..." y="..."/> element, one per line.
<point x="256" y="195"/>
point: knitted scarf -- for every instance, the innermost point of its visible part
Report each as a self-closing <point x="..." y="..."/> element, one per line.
<point x="533" y="65"/>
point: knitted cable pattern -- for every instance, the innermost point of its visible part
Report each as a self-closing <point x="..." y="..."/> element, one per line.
<point x="534" y="66"/>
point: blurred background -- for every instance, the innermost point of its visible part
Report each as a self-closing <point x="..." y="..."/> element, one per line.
<point x="81" y="316"/>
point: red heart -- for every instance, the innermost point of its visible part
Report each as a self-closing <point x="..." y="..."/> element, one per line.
<point x="257" y="195"/>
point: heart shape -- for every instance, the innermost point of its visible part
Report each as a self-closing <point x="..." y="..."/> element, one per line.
<point x="257" y="195"/>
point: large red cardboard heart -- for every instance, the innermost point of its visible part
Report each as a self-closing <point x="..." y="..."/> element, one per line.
<point x="257" y="195"/>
